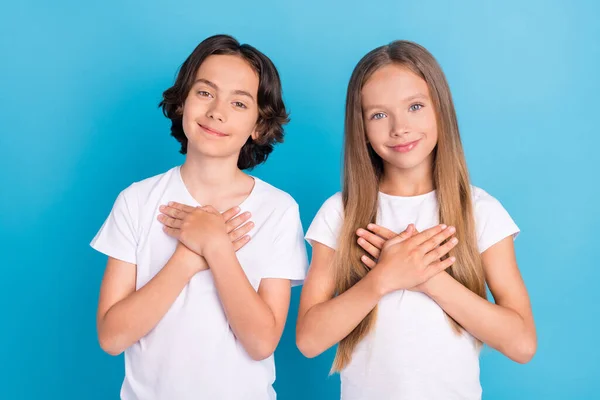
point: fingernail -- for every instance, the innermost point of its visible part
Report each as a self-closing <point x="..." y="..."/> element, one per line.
<point x="170" y="203"/>
<point x="247" y="213"/>
<point x="236" y="209"/>
<point x="370" y="226"/>
<point x="443" y="226"/>
<point x="452" y="229"/>
<point x="452" y="259"/>
<point x="360" y="231"/>
<point x="454" y="240"/>
<point x="161" y="208"/>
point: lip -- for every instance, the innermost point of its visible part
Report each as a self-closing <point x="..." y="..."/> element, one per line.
<point x="405" y="147"/>
<point x="212" y="132"/>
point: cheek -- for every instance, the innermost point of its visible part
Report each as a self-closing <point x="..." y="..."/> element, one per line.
<point x="428" y="123"/>
<point x="377" y="132"/>
<point x="244" y="123"/>
<point x="192" y="108"/>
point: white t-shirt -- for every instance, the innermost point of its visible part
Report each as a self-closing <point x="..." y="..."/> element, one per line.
<point x="412" y="353"/>
<point x="192" y="352"/>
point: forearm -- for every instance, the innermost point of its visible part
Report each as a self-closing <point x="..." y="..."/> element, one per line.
<point x="132" y="318"/>
<point x="499" y="327"/>
<point x="250" y="318"/>
<point x="327" y="323"/>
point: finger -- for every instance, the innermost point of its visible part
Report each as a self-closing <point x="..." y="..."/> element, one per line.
<point x="408" y="232"/>
<point x="176" y="233"/>
<point x="232" y="212"/>
<point x="237" y="221"/>
<point x="371" y="238"/>
<point x="436" y="240"/>
<point x="439" y="252"/>
<point x="181" y="207"/>
<point x="381" y="231"/>
<point x="402" y="236"/>
<point x="170" y="222"/>
<point x="368" y="247"/>
<point x="427" y="234"/>
<point x="241" y="231"/>
<point x="368" y="262"/>
<point x="241" y="242"/>
<point x="173" y="212"/>
<point x="438" y="267"/>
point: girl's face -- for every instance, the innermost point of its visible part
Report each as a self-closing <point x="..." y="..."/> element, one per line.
<point x="399" y="117"/>
<point x="221" y="109"/>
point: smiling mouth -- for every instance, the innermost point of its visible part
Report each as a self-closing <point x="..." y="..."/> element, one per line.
<point x="212" y="131"/>
<point x="405" y="148"/>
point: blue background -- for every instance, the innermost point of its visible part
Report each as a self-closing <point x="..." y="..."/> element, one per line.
<point x="79" y="87"/>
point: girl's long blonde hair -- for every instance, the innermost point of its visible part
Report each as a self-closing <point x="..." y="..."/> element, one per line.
<point x="363" y="169"/>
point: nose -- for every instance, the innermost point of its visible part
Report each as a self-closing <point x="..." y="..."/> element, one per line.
<point x="399" y="127"/>
<point x="215" y="111"/>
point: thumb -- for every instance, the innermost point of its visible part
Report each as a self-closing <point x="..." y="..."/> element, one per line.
<point x="408" y="232"/>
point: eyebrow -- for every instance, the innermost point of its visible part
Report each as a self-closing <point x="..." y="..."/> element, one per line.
<point x="416" y="96"/>
<point x="214" y="86"/>
<point x="406" y="100"/>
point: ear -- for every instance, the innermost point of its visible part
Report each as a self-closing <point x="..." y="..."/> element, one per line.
<point x="256" y="132"/>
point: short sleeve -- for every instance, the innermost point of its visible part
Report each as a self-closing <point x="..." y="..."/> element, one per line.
<point x="492" y="221"/>
<point x="327" y="224"/>
<point x="117" y="237"/>
<point x="290" y="260"/>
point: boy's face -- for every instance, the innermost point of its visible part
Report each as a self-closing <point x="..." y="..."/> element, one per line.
<point x="221" y="109"/>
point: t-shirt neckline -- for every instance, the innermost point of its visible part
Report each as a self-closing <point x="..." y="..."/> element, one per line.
<point x="191" y="198"/>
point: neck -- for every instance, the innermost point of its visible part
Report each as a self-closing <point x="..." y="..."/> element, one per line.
<point x="407" y="182"/>
<point x="212" y="180"/>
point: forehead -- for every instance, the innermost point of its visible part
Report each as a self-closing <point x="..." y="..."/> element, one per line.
<point x="392" y="82"/>
<point x="229" y="72"/>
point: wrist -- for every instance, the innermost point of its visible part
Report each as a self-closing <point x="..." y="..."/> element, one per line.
<point x="187" y="262"/>
<point x="377" y="284"/>
<point x="218" y="247"/>
<point x="435" y="285"/>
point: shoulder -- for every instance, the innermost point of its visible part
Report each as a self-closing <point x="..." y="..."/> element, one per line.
<point x="138" y="192"/>
<point x="483" y="202"/>
<point x="334" y="204"/>
<point x="276" y="198"/>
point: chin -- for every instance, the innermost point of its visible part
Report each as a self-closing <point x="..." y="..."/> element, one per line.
<point x="208" y="149"/>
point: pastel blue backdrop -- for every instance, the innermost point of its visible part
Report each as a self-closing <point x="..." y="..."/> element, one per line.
<point x="79" y="87"/>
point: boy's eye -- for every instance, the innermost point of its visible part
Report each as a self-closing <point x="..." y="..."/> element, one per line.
<point x="378" y="115"/>
<point x="416" y="107"/>
<point x="204" y="93"/>
<point x="238" y="104"/>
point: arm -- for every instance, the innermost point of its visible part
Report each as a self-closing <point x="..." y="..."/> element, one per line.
<point x="256" y="318"/>
<point x="506" y="326"/>
<point x="324" y="320"/>
<point x="126" y="315"/>
<point x="405" y="261"/>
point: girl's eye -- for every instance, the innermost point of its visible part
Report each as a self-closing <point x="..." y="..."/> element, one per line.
<point x="416" y="107"/>
<point x="378" y="116"/>
<point x="204" y="93"/>
<point x="238" y="104"/>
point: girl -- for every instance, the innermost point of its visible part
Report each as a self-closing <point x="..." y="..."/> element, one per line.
<point x="409" y="317"/>
<point x="191" y="314"/>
